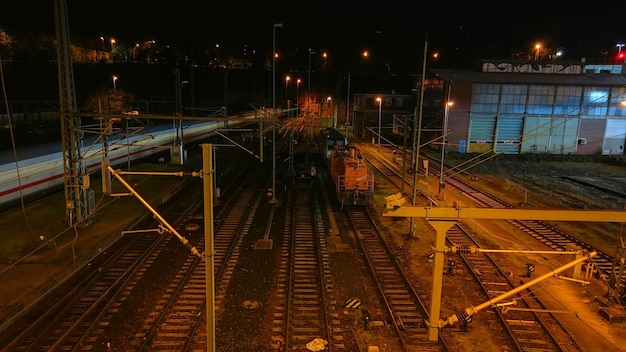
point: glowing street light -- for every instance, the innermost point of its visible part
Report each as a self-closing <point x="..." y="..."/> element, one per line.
<point x="379" y="100"/>
<point x="537" y="47"/>
<point x="620" y="55"/>
<point x="276" y="25"/>
<point x="287" y="79"/>
<point x="112" y="44"/>
<point x="115" y="83"/>
<point x="308" y="91"/>
<point x="298" y="81"/>
<point x="444" y="132"/>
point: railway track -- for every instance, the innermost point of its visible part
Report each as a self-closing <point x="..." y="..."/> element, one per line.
<point x="405" y="306"/>
<point x="306" y="315"/>
<point x="540" y="230"/>
<point x="527" y="324"/>
<point x="67" y="324"/>
<point x="78" y="315"/>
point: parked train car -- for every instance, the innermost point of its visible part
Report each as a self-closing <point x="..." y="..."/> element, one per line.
<point x="329" y="138"/>
<point x="353" y="179"/>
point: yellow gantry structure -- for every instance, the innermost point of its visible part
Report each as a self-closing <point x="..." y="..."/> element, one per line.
<point x="443" y="218"/>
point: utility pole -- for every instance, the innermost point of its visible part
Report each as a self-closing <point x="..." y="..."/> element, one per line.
<point x="75" y="180"/>
<point x="417" y="126"/>
<point x="276" y="25"/>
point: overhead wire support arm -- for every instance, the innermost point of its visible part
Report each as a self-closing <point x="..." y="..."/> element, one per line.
<point x="459" y="317"/>
<point x="162" y="173"/>
<point x="169" y="227"/>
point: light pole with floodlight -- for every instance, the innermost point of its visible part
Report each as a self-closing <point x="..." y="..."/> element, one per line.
<point x="537" y="47"/>
<point x="298" y="81"/>
<point x="380" y="112"/>
<point x="308" y="89"/>
<point x="619" y="50"/>
<point x="308" y="92"/>
<point x="114" y="83"/>
<point x="444" y="132"/>
<point x="276" y="25"/>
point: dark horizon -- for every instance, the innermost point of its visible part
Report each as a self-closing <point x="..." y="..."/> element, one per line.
<point x="393" y="33"/>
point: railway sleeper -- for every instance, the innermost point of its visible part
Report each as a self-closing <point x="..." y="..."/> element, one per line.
<point x="521" y="322"/>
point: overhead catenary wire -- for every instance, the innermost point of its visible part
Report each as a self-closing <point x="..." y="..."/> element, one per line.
<point x="14" y="148"/>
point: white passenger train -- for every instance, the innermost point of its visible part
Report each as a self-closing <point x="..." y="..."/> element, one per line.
<point x="40" y="175"/>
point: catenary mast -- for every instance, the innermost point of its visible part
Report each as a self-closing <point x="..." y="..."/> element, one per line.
<point x="75" y="180"/>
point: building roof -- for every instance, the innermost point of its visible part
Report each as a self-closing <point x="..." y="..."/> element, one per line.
<point x="582" y="79"/>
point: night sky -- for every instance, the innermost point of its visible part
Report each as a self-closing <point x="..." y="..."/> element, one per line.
<point x="459" y="32"/>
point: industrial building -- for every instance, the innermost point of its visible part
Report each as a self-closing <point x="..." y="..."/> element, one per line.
<point x="509" y="107"/>
<point x="527" y="107"/>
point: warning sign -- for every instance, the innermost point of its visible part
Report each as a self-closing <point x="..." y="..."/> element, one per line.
<point x="353" y="303"/>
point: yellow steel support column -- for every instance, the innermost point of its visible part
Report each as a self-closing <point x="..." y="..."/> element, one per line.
<point x="441" y="226"/>
<point x="207" y="182"/>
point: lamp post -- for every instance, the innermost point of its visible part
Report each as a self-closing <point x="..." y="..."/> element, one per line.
<point x="287" y="79"/>
<point x="308" y="89"/>
<point x="307" y="102"/>
<point x="443" y="145"/>
<point x="417" y="129"/>
<point x="380" y="111"/>
<point x="112" y="45"/>
<point x="537" y="47"/>
<point x="276" y="25"/>
<point x="298" y="81"/>
<point x="348" y="107"/>
<point x="114" y="83"/>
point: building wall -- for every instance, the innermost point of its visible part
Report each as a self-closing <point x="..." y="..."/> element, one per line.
<point x="591" y="136"/>
<point x="365" y="112"/>
<point x="458" y="121"/>
<point x="531" y="118"/>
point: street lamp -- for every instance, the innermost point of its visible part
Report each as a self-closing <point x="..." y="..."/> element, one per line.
<point x="309" y="80"/>
<point x="114" y="83"/>
<point x="444" y="132"/>
<point x="380" y="110"/>
<point x="287" y="79"/>
<point x="298" y="81"/>
<point x="619" y="50"/>
<point x="112" y="45"/>
<point x="537" y="47"/>
<point x="417" y="129"/>
<point x="276" y="25"/>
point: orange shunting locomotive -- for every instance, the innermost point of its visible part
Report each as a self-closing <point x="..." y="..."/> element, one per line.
<point x="354" y="181"/>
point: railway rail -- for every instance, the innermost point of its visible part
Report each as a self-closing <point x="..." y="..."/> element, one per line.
<point x="529" y="325"/>
<point x="91" y="302"/>
<point x="540" y="230"/>
<point x="406" y="306"/>
<point x="309" y="314"/>
<point x="79" y="307"/>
